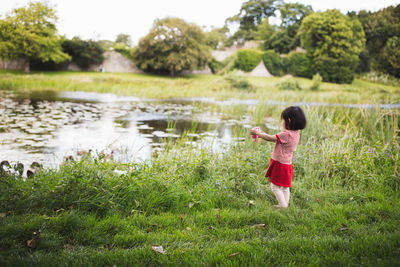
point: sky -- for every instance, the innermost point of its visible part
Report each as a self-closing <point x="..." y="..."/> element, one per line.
<point x="105" y="19"/>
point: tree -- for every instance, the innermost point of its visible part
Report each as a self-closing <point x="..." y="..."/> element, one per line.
<point x="379" y="27"/>
<point x="172" y="46"/>
<point x="124" y="39"/>
<point x="84" y="53"/>
<point x="216" y="37"/>
<point x="250" y="16"/>
<point x="30" y="33"/>
<point x="333" y="43"/>
<point x="284" y="38"/>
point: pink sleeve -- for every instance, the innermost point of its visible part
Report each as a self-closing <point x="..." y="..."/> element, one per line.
<point x="283" y="137"/>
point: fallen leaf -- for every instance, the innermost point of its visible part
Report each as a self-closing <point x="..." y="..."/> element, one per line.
<point x="149" y="229"/>
<point x="344" y="227"/>
<point x="261" y="225"/>
<point x="318" y="200"/>
<point x="71" y="206"/>
<point x="34" y="242"/>
<point x="219" y="217"/>
<point x="351" y="198"/>
<point x="181" y="216"/>
<point x="188" y="229"/>
<point x="2" y="215"/>
<point x="234" y="254"/>
<point x="158" y="249"/>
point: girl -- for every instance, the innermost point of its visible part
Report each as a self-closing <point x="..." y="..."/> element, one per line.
<point x="280" y="170"/>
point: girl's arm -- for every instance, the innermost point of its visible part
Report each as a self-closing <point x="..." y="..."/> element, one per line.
<point x="266" y="137"/>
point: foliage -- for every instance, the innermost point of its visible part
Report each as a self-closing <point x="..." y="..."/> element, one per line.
<point x="172" y="46"/>
<point x="124" y="50"/>
<point x="299" y="65"/>
<point x="238" y="81"/>
<point x="316" y="82"/>
<point x="379" y="77"/>
<point x="333" y="43"/>
<point x="83" y="53"/>
<point x="284" y="38"/>
<point x="216" y="37"/>
<point x="289" y="84"/>
<point x="390" y="57"/>
<point x="124" y="39"/>
<point x="31" y="33"/>
<point x="215" y="65"/>
<point x="379" y="27"/>
<point x="252" y="12"/>
<point x="247" y="59"/>
<point x="272" y="62"/>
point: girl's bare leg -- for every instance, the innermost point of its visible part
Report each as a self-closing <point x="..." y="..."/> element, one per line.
<point x="286" y="194"/>
<point x="279" y="195"/>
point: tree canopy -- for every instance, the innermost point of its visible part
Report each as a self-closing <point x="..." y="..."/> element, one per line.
<point x="333" y="43"/>
<point x="84" y="53"/>
<point x="172" y="46"/>
<point x="284" y="38"/>
<point x="250" y="16"/>
<point x="31" y="33"/>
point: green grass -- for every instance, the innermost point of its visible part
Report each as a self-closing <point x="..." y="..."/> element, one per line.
<point x="150" y="86"/>
<point x="344" y="208"/>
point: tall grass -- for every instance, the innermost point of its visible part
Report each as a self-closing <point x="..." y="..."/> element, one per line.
<point x="344" y="206"/>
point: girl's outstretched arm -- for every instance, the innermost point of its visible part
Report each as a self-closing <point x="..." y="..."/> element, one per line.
<point x="266" y="137"/>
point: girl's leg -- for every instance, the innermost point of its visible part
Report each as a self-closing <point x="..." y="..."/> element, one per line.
<point x="279" y="195"/>
<point x="286" y="194"/>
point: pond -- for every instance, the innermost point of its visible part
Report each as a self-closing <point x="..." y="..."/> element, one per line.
<point x="49" y="127"/>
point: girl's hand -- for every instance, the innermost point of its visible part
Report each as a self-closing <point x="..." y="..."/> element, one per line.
<point x="255" y="131"/>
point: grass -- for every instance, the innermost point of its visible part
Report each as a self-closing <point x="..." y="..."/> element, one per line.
<point x="150" y="86"/>
<point x="344" y="208"/>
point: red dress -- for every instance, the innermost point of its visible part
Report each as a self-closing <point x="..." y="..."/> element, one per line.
<point x="280" y="170"/>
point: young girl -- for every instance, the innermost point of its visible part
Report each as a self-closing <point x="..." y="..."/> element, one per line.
<point x="280" y="170"/>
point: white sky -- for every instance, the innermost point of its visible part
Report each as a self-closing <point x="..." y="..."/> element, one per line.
<point x="105" y="19"/>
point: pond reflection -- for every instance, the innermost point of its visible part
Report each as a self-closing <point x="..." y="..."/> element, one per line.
<point x="47" y="127"/>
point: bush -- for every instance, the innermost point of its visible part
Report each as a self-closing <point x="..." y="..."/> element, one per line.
<point x="83" y="53"/>
<point x="238" y="82"/>
<point x="285" y="64"/>
<point x="317" y="80"/>
<point x="299" y="65"/>
<point x="289" y="84"/>
<point x="273" y="63"/>
<point x="124" y="50"/>
<point x="336" y="70"/>
<point x="215" y="65"/>
<point x="248" y="59"/>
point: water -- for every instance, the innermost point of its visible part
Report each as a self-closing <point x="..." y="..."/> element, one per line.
<point x="48" y="127"/>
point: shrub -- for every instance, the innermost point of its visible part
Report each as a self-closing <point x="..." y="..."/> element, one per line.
<point x="248" y="59"/>
<point x="215" y="65"/>
<point x="285" y="64"/>
<point x="289" y="84"/>
<point x="83" y="53"/>
<point x="273" y="63"/>
<point x="317" y="80"/>
<point x="238" y="82"/>
<point x="299" y="65"/>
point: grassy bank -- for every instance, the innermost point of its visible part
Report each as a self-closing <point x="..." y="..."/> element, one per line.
<point x="149" y="86"/>
<point x="344" y="208"/>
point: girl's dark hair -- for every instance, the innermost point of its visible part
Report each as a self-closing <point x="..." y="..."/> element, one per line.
<point x="294" y="118"/>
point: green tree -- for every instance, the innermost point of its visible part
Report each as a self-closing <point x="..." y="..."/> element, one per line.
<point x="124" y="39"/>
<point x="284" y="38"/>
<point x="390" y="54"/>
<point x="30" y="33"/>
<point x="379" y="27"/>
<point x="333" y="43"/>
<point x="84" y="53"/>
<point x="216" y="37"/>
<point x="250" y="16"/>
<point x="172" y="46"/>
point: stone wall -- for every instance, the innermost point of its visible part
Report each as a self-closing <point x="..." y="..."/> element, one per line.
<point x="14" y="64"/>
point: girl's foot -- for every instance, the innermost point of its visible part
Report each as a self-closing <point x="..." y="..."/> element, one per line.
<point x="279" y="207"/>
